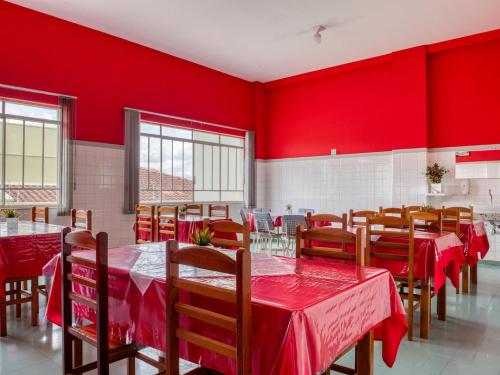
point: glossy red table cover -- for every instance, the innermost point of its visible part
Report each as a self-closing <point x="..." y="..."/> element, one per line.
<point x="437" y="255"/>
<point x="186" y="226"/>
<point x="304" y="312"/>
<point x="26" y="249"/>
<point x="475" y="239"/>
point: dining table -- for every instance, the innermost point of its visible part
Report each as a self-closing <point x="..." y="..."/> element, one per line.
<point x="186" y="226"/>
<point x="305" y="312"/>
<point x="24" y="250"/>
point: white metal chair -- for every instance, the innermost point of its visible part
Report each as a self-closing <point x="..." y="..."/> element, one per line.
<point x="289" y="229"/>
<point x="265" y="232"/>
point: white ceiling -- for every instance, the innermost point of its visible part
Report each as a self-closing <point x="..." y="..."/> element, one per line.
<point x="268" y="39"/>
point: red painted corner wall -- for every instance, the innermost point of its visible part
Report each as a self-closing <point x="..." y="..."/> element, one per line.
<point x="464" y="95"/>
<point x="108" y="73"/>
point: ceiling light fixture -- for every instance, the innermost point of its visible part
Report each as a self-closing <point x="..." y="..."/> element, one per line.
<point x="317" y="34"/>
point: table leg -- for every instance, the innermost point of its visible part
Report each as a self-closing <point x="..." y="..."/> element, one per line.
<point x="34" y="301"/>
<point x="465" y="278"/>
<point x="425" y="309"/>
<point x="3" y="316"/>
<point x="17" y="295"/>
<point x="364" y="355"/>
<point x="441" y="303"/>
<point x="473" y="274"/>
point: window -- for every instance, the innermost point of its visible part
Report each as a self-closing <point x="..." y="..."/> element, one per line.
<point x="182" y="165"/>
<point x="30" y="152"/>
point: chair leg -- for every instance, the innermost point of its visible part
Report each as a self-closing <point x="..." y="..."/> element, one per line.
<point x="473" y="274"/>
<point x="17" y="296"/>
<point x="465" y="278"/>
<point x="131" y="366"/>
<point x="441" y="303"/>
<point x="425" y="309"/>
<point x="364" y="355"/>
<point x="3" y="317"/>
<point x="34" y="301"/>
<point x="410" y="312"/>
<point x="77" y="353"/>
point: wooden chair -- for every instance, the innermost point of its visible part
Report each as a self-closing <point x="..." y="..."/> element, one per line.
<point x="359" y="214"/>
<point x="392" y="211"/>
<point x="338" y="238"/>
<point x="16" y="295"/>
<point x="144" y="223"/>
<point x="81" y="219"/>
<point x="168" y="222"/>
<point x="239" y="325"/>
<point x="452" y="217"/>
<point x="385" y="250"/>
<point x="228" y="226"/>
<point x="429" y="221"/>
<point x="194" y="209"/>
<point x="312" y="219"/>
<point x="97" y="335"/>
<point x="40" y="214"/>
<point x="218" y="210"/>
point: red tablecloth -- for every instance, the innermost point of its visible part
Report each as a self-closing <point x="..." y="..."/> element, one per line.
<point x="475" y="239"/>
<point x="437" y="255"/>
<point x="304" y="312"/>
<point x="187" y="226"/>
<point x="25" y="250"/>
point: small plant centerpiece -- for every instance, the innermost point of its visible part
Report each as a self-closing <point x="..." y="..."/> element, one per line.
<point x="426" y="208"/>
<point x="202" y="237"/>
<point x="288" y="208"/>
<point x="182" y="211"/>
<point x="11" y="217"/>
<point x="435" y="174"/>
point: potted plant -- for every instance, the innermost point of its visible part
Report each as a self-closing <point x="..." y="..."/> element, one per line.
<point x="11" y="217"/>
<point x="288" y="208"/>
<point x="202" y="237"/>
<point x="435" y="174"/>
<point x="426" y="208"/>
<point x="182" y="211"/>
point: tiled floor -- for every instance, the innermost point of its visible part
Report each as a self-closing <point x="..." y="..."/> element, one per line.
<point x="467" y="343"/>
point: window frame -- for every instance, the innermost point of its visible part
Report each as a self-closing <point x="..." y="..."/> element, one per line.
<point x="59" y="154"/>
<point x="193" y="142"/>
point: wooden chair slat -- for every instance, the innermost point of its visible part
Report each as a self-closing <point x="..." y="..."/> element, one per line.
<point x="207" y="316"/>
<point x="218" y="210"/>
<point x="207" y="290"/>
<point x="207" y="343"/>
<point x="82" y="280"/>
<point x="83" y="300"/>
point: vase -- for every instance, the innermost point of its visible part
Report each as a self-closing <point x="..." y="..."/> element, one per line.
<point x="12" y="222"/>
<point x="436" y="188"/>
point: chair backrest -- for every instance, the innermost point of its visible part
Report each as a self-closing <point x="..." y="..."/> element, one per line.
<point x="218" y="210"/>
<point x="144" y="223"/>
<point x="238" y="325"/>
<point x="465" y="213"/>
<point x="392" y="211"/>
<point x="305" y="211"/>
<point x="379" y="238"/>
<point x="81" y="219"/>
<point x="70" y="293"/>
<point x="228" y="227"/>
<point x="263" y="222"/>
<point x="244" y="214"/>
<point x="40" y="214"/>
<point x="168" y="224"/>
<point x="261" y="210"/>
<point x="451" y="220"/>
<point x="290" y="223"/>
<point x="317" y="220"/>
<point x="307" y="241"/>
<point x="355" y="215"/>
<point x="429" y="221"/>
<point x="194" y="209"/>
<point x="411" y="209"/>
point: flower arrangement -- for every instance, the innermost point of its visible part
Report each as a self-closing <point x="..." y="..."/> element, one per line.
<point x="182" y="210"/>
<point x="202" y="237"/>
<point x="288" y="206"/>
<point x="10" y="213"/>
<point x="435" y="173"/>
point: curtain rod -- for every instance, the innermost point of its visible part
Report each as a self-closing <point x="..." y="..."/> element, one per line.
<point x="36" y="91"/>
<point x="187" y="119"/>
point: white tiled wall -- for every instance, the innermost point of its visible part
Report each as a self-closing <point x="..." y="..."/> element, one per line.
<point x="336" y="184"/>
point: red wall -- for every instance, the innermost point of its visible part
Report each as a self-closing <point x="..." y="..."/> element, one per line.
<point x="446" y="94"/>
<point x="108" y="73"/>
